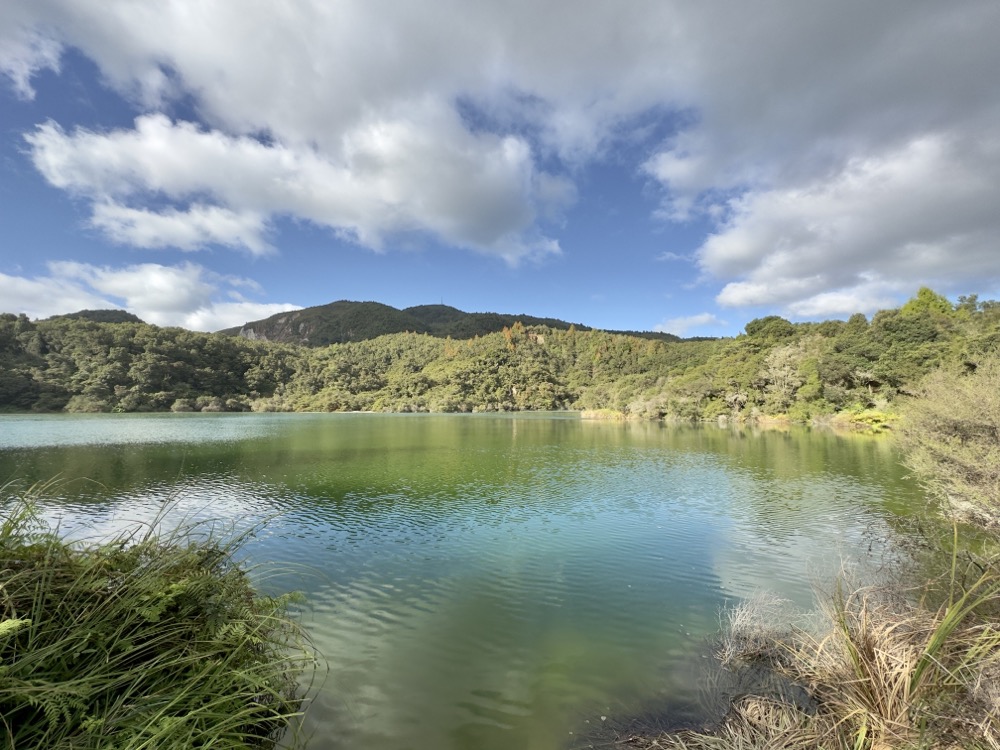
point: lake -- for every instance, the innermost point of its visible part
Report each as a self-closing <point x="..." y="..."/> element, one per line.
<point x="488" y="582"/>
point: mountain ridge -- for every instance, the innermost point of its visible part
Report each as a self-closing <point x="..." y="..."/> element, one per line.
<point x="345" y="320"/>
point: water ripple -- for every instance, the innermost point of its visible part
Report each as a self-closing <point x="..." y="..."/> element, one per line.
<point x="491" y="582"/>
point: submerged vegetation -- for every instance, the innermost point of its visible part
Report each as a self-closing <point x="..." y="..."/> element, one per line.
<point x="805" y="372"/>
<point x="150" y="639"/>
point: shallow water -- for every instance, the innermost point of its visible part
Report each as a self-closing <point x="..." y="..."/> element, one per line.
<point x="488" y="582"/>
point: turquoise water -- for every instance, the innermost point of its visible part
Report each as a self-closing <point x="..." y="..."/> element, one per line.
<point x="484" y="581"/>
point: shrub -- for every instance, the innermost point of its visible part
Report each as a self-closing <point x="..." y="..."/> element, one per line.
<point x="148" y="640"/>
<point x="951" y="437"/>
<point x="87" y="405"/>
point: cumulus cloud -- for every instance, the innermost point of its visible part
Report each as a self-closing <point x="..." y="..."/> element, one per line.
<point x="847" y="163"/>
<point x="837" y="149"/>
<point x="190" y="229"/>
<point x="358" y="106"/>
<point x="390" y="177"/>
<point x="186" y="295"/>
<point x="681" y="326"/>
<point x="922" y="213"/>
<point x="48" y="295"/>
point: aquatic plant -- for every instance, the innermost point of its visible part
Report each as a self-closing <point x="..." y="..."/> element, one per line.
<point x="150" y="639"/>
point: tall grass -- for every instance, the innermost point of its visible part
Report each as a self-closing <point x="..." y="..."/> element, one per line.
<point x="150" y="639"/>
<point x="887" y="671"/>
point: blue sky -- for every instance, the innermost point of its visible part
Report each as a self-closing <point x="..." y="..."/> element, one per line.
<point x="648" y="165"/>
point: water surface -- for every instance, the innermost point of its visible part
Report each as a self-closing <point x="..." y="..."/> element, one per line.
<point x="490" y="582"/>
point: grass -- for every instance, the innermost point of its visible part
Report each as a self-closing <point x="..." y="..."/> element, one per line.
<point x="887" y="671"/>
<point x="150" y="639"/>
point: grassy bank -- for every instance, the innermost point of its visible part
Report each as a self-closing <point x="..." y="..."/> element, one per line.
<point x="150" y="639"/>
<point x="882" y="669"/>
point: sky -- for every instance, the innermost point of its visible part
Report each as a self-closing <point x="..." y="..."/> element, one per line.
<point x="623" y="164"/>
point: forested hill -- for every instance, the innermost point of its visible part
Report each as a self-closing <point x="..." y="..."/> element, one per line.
<point x="344" y="321"/>
<point x="806" y="371"/>
<point x="103" y="316"/>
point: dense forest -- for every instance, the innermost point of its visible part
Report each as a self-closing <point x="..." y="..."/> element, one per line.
<point x="806" y="371"/>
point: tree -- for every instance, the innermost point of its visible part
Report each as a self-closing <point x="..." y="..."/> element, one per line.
<point x="927" y="302"/>
<point x="951" y="436"/>
<point x="770" y="328"/>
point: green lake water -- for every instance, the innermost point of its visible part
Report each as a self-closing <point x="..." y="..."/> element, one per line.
<point x="492" y="582"/>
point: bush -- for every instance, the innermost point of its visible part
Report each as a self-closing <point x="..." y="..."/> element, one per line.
<point x="149" y="640"/>
<point x="87" y="405"/>
<point x="951" y="436"/>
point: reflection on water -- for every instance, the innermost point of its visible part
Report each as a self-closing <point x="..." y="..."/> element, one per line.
<point x="489" y="582"/>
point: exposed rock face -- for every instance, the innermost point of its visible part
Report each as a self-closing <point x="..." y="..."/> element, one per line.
<point x="287" y="327"/>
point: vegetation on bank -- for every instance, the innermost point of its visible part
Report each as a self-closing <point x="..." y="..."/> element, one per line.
<point x="890" y="666"/>
<point x="884" y="670"/>
<point x="951" y="438"/>
<point x="805" y="372"/>
<point x="148" y="640"/>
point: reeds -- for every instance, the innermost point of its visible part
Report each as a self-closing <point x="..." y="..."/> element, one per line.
<point x="889" y="671"/>
<point x="151" y="639"/>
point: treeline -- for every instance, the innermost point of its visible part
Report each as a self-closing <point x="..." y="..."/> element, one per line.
<point x="804" y="370"/>
<point x="80" y="365"/>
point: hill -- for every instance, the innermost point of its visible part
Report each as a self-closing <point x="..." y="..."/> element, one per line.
<point x="335" y="323"/>
<point x="799" y="371"/>
<point x="102" y="316"/>
<point x="344" y="321"/>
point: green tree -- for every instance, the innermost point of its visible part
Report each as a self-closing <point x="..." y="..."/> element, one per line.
<point x="951" y="436"/>
<point x="927" y="302"/>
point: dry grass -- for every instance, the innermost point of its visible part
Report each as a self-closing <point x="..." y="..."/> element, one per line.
<point x="756" y="630"/>
<point x="888" y="673"/>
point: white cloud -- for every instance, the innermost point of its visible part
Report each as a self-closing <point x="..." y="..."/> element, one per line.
<point x="24" y="55"/>
<point x="191" y="229"/>
<point x="45" y="296"/>
<point x="391" y="177"/>
<point x="863" y="298"/>
<point x="922" y="214"/>
<point x="826" y="143"/>
<point x="219" y="315"/>
<point x="187" y="295"/>
<point x="358" y="106"/>
<point x="670" y="255"/>
<point x="681" y="326"/>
